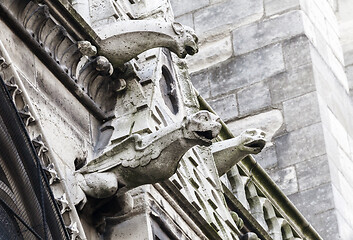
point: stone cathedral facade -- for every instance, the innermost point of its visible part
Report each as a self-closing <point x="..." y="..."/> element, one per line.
<point x="104" y="136"/>
<point x="285" y="67"/>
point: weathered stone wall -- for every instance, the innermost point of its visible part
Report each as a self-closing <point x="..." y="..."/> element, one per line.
<point x="345" y="20"/>
<point x="279" y="65"/>
<point x="69" y="127"/>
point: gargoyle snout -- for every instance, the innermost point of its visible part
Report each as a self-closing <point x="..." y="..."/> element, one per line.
<point x="254" y="140"/>
<point x="191" y="44"/>
<point x="191" y="50"/>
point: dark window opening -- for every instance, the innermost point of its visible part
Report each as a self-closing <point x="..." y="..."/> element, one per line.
<point x="169" y="90"/>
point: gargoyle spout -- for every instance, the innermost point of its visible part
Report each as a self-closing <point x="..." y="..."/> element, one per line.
<point x="229" y="152"/>
<point x="122" y="41"/>
<point x="152" y="158"/>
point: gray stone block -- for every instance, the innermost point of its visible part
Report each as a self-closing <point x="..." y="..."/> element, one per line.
<point x="313" y="201"/>
<point x="181" y="7"/>
<point x="226" y="107"/>
<point x="286" y="179"/>
<point x="254" y="98"/>
<point x="313" y="173"/>
<point x="201" y="81"/>
<point x="342" y="204"/>
<point x="348" y="55"/>
<point x="247" y="69"/>
<point x="349" y="71"/>
<point x="232" y="12"/>
<point x="300" y="145"/>
<point x="333" y="93"/>
<point x="267" y="158"/>
<point x="297" y="52"/>
<point x="326" y="225"/>
<point x="211" y="53"/>
<point x="347" y="166"/>
<point x="257" y="35"/>
<point x="186" y="20"/>
<point x="345" y="228"/>
<point x="274" y="6"/>
<point x="292" y="84"/>
<point x="301" y="111"/>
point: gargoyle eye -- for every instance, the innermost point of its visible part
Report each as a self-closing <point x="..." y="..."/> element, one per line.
<point x="204" y="118"/>
<point x="252" y="133"/>
<point x="196" y="39"/>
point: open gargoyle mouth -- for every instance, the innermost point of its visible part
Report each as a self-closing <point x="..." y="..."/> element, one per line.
<point x="205" y="135"/>
<point x="191" y="50"/>
<point x="256" y="144"/>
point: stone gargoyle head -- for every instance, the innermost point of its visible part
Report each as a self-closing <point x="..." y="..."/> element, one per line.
<point x="229" y="152"/>
<point x="252" y="141"/>
<point x="203" y="126"/>
<point x="188" y="40"/>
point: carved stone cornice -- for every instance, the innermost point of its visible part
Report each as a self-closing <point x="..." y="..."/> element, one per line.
<point x="87" y="76"/>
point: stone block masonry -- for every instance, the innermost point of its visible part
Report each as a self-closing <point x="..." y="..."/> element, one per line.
<point x="279" y="64"/>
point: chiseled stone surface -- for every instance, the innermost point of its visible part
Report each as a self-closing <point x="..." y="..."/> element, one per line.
<point x="304" y="172"/>
<point x="211" y="53"/>
<point x="300" y="145"/>
<point x="226" y="107"/>
<point x="349" y="71"/>
<point x="286" y="179"/>
<point x="310" y="91"/>
<point x="275" y="7"/>
<point x="291" y="84"/>
<point x="307" y="106"/>
<point x="267" y="158"/>
<point x="341" y="203"/>
<point x="186" y="19"/>
<point x="326" y="223"/>
<point x="296" y="52"/>
<point x="345" y="229"/>
<point x="254" y="98"/>
<point x="181" y="7"/>
<point x="259" y="34"/>
<point x="314" y="201"/>
<point x="231" y="12"/>
<point x="247" y="69"/>
<point x="201" y="81"/>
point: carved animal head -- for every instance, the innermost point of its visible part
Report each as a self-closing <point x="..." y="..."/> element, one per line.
<point x="203" y="126"/>
<point x="252" y="141"/>
<point x="187" y="40"/>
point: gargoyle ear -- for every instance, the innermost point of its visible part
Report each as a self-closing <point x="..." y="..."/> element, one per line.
<point x="178" y="28"/>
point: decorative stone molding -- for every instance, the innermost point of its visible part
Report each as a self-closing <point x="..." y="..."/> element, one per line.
<point x="48" y="162"/>
<point x="87" y="76"/>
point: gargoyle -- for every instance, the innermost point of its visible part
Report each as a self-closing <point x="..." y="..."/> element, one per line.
<point x="152" y="158"/>
<point x="229" y="152"/>
<point x="122" y="41"/>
